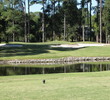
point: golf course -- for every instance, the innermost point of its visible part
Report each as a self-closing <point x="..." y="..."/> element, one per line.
<point x="62" y="86"/>
<point x="54" y="49"/>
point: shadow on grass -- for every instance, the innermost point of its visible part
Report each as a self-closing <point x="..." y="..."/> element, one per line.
<point x="28" y="50"/>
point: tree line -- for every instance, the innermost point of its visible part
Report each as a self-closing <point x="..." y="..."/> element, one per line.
<point x="67" y="20"/>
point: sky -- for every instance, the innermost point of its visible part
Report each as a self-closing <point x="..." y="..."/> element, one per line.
<point x="37" y="7"/>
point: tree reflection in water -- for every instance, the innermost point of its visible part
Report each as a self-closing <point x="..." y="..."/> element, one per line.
<point x="5" y="71"/>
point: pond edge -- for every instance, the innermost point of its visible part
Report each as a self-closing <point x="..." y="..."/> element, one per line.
<point x="56" y="60"/>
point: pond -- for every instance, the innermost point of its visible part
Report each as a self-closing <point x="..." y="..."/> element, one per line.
<point x="81" y="67"/>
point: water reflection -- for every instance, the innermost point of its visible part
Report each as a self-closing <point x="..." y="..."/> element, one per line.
<point x="5" y="71"/>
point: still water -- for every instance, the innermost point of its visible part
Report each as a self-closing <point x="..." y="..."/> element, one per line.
<point x="82" y="67"/>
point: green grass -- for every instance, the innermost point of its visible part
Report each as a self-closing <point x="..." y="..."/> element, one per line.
<point x="72" y="86"/>
<point x="44" y="51"/>
<point x="35" y="65"/>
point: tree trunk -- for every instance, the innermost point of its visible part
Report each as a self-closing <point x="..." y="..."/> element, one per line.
<point x="13" y="33"/>
<point x="53" y="20"/>
<point x="13" y="23"/>
<point x="43" y="24"/>
<point x="25" y="25"/>
<point x="90" y="18"/>
<point x="53" y="35"/>
<point x="106" y="38"/>
<point x="64" y="27"/>
<point x="97" y="38"/>
<point x="28" y="21"/>
<point x="100" y="21"/>
<point x="87" y="15"/>
<point x="83" y="33"/>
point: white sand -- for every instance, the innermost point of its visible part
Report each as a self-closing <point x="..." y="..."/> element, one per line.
<point x="77" y="45"/>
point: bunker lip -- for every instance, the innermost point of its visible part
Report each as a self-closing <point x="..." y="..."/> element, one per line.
<point x="79" y="45"/>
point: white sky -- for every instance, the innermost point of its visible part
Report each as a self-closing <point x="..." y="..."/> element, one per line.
<point x="37" y="7"/>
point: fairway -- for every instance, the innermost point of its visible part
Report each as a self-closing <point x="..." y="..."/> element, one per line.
<point x="72" y="86"/>
<point x="54" y="49"/>
<point x="45" y="51"/>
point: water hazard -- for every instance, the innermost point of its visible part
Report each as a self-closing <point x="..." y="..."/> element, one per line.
<point x="82" y="67"/>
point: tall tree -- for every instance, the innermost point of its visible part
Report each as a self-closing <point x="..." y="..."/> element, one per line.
<point x="90" y="17"/>
<point x="43" y="15"/>
<point x="97" y="28"/>
<point x="65" y="13"/>
<point x="106" y="18"/>
<point x="25" y="22"/>
<point x="28" y="20"/>
<point x="83" y="2"/>
<point x="70" y="14"/>
<point x="100" y="21"/>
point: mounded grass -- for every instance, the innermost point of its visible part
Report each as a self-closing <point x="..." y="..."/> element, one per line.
<point x="72" y="86"/>
<point x="44" y="51"/>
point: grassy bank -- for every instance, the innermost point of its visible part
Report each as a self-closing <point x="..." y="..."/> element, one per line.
<point x="72" y="86"/>
<point x="43" y="51"/>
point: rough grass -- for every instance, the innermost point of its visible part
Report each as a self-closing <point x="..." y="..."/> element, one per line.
<point x="43" y="51"/>
<point x="72" y="86"/>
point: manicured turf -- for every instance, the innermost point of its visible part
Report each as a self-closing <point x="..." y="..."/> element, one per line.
<point x="72" y="86"/>
<point x="43" y="50"/>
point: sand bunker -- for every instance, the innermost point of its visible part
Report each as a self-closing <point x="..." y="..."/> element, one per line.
<point x="77" y="45"/>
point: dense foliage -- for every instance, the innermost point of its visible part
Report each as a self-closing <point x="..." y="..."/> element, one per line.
<point x="67" y="20"/>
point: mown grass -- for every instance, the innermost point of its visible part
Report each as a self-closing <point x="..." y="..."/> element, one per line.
<point x="72" y="86"/>
<point x="44" y="51"/>
<point x="35" y="65"/>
